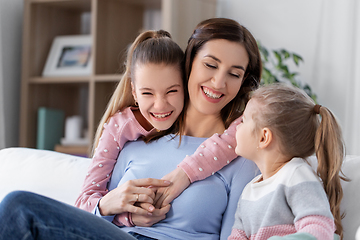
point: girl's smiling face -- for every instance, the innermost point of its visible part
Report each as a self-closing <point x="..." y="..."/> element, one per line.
<point x="158" y="89"/>
<point x="216" y="75"/>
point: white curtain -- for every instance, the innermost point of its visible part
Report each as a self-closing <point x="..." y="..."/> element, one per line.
<point x="2" y="112"/>
<point x="11" y="16"/>
<point x="337" y="66"/>
<point x="326" y="33"/>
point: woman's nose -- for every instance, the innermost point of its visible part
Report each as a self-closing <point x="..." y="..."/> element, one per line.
<point x="219" y="81"/>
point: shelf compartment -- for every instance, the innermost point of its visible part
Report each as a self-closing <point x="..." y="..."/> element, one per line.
<point x="72" y="98"/>
<point x="118" y="23"/>
<point x="49" y="19"/>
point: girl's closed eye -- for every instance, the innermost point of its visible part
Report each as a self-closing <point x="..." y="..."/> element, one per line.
<point x="172" y="91"/>
<point x="146" y="93"/>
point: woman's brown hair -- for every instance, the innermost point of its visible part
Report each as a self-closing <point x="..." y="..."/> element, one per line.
<point x="294" y="119"/>
<point x="149" y="47"/>
<point x="228" y="29"/>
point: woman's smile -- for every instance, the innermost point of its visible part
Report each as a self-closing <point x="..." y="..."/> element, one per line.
<point x="211" y="95"/>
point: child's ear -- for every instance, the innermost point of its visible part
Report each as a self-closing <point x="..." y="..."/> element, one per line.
<point x="266" y="138"/>
<point x="133" y="91"/>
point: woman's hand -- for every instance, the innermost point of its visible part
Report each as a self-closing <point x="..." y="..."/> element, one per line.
<point x="122" y="198"/>
<point x="149" y="220"/>
<point x="180" y="181"/>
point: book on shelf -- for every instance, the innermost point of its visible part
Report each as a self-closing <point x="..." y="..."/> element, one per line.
<point x="50" y="127"/>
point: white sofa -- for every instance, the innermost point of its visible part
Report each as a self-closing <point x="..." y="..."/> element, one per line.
<point x="60" y="176"/>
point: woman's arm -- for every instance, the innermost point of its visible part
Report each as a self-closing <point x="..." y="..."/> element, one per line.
<point x="122" y="127"/>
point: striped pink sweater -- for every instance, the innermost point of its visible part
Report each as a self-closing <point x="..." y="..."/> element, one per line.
<point x="293" y="200"/>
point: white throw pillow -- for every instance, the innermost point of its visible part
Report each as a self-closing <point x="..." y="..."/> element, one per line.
<point x="56" y="175"/>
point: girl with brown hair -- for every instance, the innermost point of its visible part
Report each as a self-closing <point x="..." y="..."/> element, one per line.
<point x="279" y="129"/>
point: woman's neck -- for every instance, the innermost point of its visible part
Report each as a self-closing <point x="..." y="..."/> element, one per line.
<point x="201" y="125"/>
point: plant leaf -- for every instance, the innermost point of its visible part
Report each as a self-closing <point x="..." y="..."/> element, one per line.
<point x="285" y="53"/>
<point x="278" y="56"/>
<point x="297" y="59"/>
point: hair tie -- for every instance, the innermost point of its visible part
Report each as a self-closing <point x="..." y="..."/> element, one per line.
<point x="317" y="108"/>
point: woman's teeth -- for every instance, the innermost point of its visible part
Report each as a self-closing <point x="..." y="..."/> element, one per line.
<point x="161" y="115"/>
<point x="211" y="94"/>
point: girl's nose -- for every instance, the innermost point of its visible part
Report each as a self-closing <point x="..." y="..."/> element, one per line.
<point x="160" y="103"/>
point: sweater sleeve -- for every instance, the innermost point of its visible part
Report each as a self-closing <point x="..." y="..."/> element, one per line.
<point x="212" y="155"/>
<point x="237" y="234"/>
<point x="120" y="128"/>
<point x="309" y="204"/>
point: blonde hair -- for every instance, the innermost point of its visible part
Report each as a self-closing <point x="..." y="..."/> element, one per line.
<point x="289" y="113"/>
<point x="149" y="47"/>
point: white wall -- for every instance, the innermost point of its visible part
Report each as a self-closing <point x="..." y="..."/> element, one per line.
<point x="322" y="32"/>
<point x="11" y="12"/>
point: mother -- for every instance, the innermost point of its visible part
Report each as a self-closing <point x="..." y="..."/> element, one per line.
<point x="222" y="66"/>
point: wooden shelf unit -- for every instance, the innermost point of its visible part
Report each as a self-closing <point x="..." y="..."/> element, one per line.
<point x="114" y="25"/>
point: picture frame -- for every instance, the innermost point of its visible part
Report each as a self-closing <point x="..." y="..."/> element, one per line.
<point x="69" y="56"/>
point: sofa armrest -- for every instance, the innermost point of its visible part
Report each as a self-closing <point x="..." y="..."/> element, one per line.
<point x="56" y="175"/>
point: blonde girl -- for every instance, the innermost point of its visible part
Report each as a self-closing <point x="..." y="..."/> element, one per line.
<point x="281" y="127"/>
<point x="149" y="97"/>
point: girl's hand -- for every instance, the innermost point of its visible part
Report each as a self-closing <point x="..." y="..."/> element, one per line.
<point x="180" y="181"/>
<point x="149" y="220"/>
<point x="122" y="198"/>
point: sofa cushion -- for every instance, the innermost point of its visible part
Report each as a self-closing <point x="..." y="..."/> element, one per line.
<point x="350" y="204"/>
<point x="56" y="175"/>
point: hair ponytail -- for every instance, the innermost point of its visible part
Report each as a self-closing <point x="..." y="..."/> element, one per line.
<point x="330" y="152"/>
<point x="293" y="118"/>
<point x="149" y="47"/>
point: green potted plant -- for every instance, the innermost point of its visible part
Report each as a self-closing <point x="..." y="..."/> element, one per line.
<point x="276" y="68"/>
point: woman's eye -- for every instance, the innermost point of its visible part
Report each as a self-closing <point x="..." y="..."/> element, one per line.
<point x="146" y="93"/>
<point x="210" y="65"/>
<point x="235" y="75"/>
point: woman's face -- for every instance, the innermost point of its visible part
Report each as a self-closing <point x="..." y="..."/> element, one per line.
<point x="216" y="76"/>
<point x="158" y="89"/>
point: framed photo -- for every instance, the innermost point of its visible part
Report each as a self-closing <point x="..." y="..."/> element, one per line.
<point x="69" y="56"/>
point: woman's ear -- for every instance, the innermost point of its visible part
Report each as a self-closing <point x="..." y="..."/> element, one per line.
<point x="266" y="138"/>
<point x="133" y="91"/>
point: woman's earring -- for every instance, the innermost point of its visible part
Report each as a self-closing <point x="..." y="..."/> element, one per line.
<point x="136" y="104"/>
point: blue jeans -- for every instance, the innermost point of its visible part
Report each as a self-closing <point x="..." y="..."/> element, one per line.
<point x="25" y="215"/>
